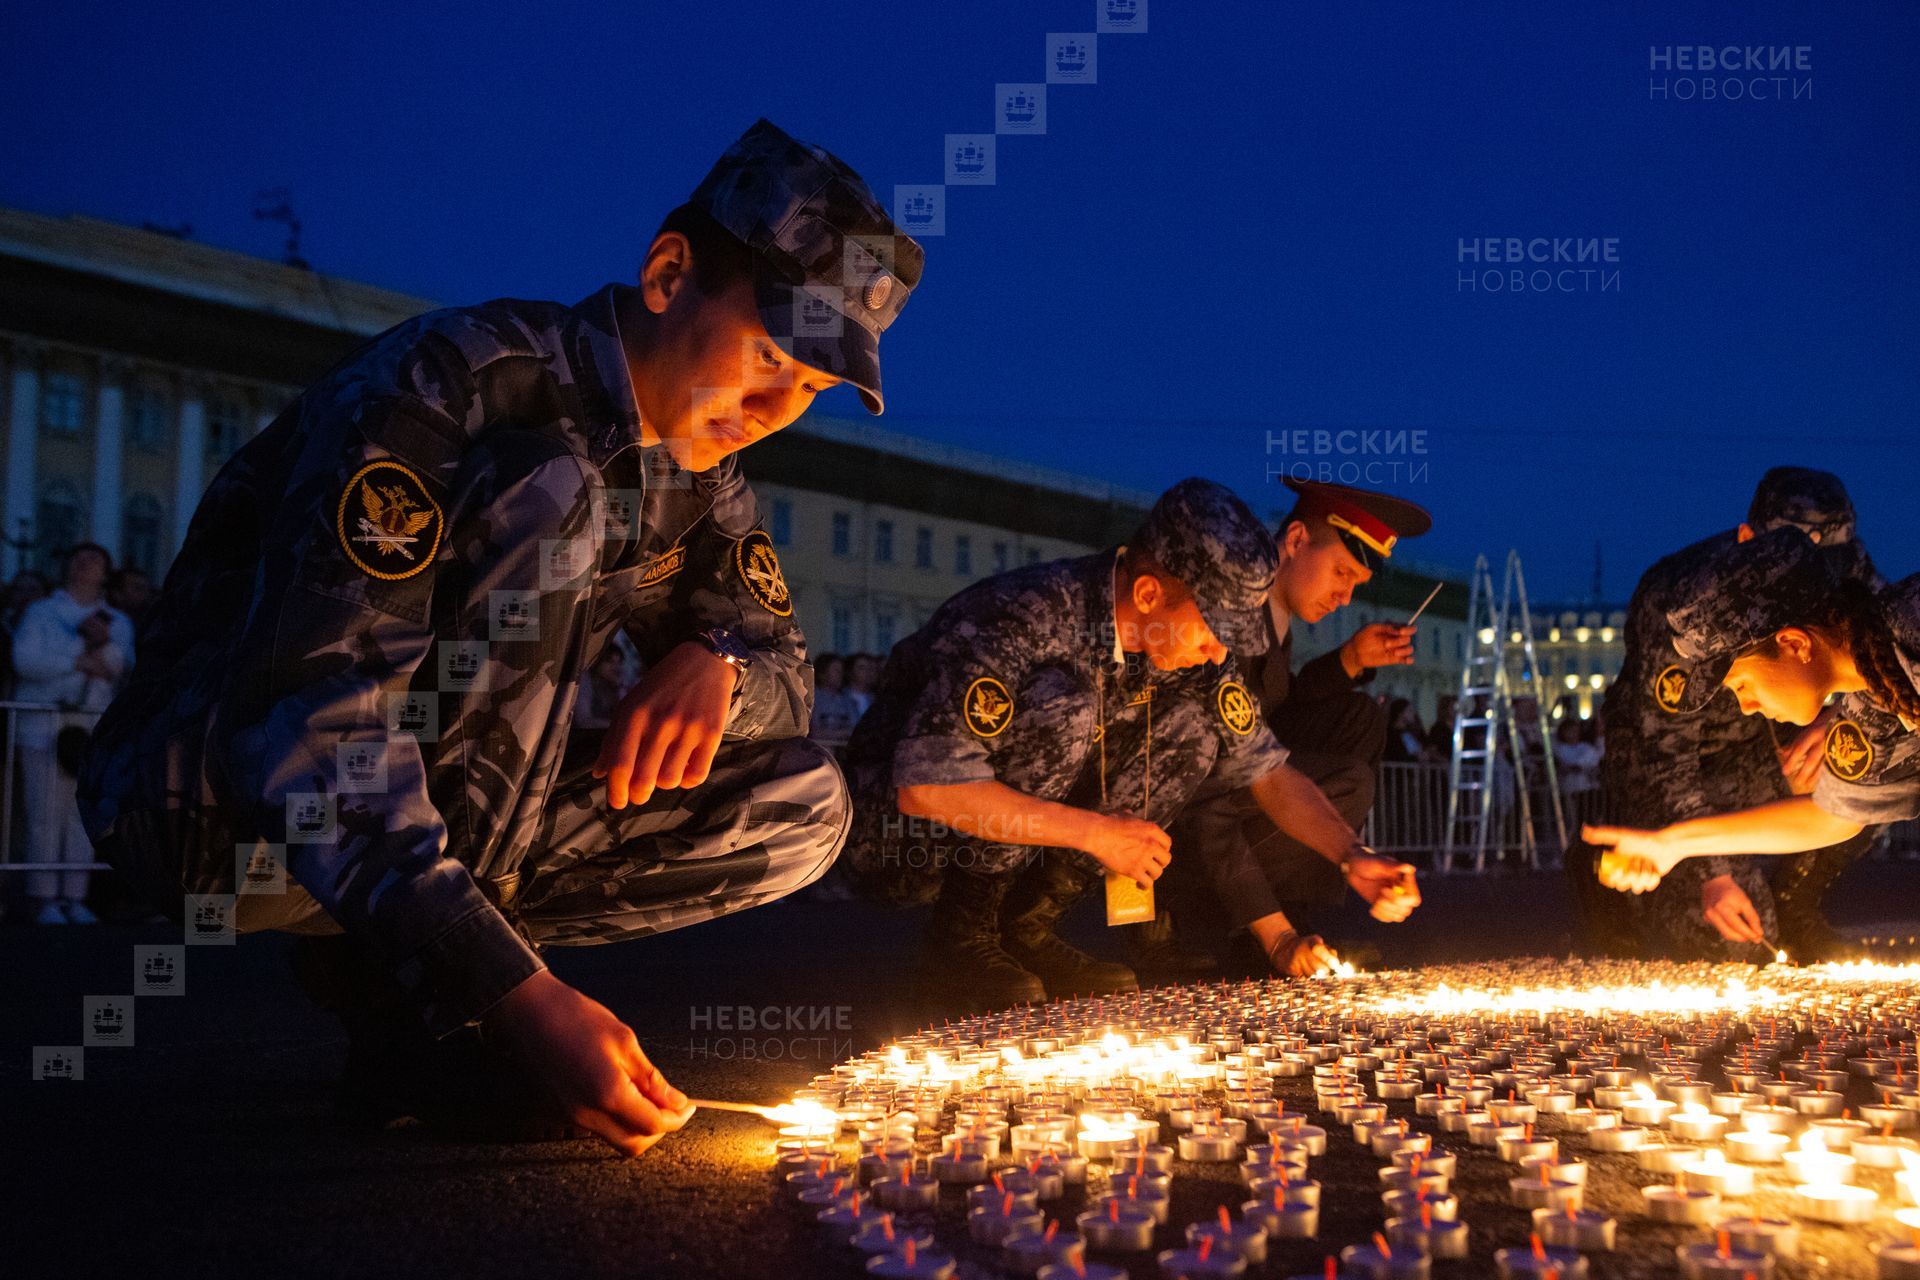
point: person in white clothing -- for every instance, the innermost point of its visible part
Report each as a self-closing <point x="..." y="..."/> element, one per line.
<point x="69" y="652"/>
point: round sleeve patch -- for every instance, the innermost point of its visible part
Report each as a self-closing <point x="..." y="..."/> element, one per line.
<point x="389" y="526"/>
<point x="1849" y="751"/>
<point x="1670" y="688"/>
<point x="759" y="570"/>
<point x="987" y="707"/>
<point x="1236" y="707"/>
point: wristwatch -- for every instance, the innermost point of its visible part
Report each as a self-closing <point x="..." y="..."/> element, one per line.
<point x="729" y="648"/>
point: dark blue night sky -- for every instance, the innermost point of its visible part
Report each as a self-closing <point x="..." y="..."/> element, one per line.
<point x="1249" y="223"/>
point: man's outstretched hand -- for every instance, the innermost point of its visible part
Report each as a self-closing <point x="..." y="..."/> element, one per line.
<point x="666" y="730"/>
<point x="591" y="1062"/>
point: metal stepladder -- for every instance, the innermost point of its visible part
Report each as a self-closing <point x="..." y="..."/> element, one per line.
<point x="1493" y="675"/>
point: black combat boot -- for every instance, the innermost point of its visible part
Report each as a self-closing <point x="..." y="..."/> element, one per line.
<point x="397" y="1072"/>
<point x="1039" y="901"/>
<point x="1159" y="952"/>
<point x="963" y="964"/>
<point x="1798" y="888"/>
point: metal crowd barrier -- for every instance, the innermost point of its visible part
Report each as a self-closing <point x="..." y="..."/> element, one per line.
<point x="13" y="833"/>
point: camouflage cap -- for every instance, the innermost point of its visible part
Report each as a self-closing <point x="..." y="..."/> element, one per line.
<point x="835" y="270"/>
<point x="1203" y="535"/>
<point x="1815" y="502"/>
<point x="1741" y="598"/>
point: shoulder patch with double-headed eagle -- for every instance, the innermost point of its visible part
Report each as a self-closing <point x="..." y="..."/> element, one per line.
<point x="759" y="569"/>
<point x="987" y="707"/>
<point x="1849" y="751"/>
<point x="389" y="525"/>
<point x="1236" y="707"/>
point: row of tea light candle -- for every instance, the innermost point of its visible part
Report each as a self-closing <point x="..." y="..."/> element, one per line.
<point x="1488" y="1053"/>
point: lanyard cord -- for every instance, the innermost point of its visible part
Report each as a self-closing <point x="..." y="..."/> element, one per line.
<point x="1100" y="682"/>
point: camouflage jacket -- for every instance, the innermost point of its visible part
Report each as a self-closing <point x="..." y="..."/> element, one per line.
<point x="1663" y="766"/>
<point x="952" y="688"/>
<point x="1872" y="767"/>
<point x="307" y="610"/>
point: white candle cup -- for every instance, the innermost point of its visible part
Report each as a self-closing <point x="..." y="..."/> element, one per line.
<point x="1528" y="1264"/>
<point x="1898" y="1260"/>
<point x="1834" y="1202"/>
<point x="1840" y="1134"/>
<point x="1440" y="1162"/>
<point x="1207" y="1147"/>
<point x="1680" y="1204"/>
<point x="1648" y="1111"/>
<point x="1246" y="1238"/>
<point x="959" y="1167"/>
<point x="1485" y="1131"/>
<point x="1155" y="1197"/>
<point x="993" y="1223"/>
<point x="1590" y="1120"/>
<point x="1308" y="1137"/>
<point x="1529" y="1192"/>
<point x="1728" y="1104"/>
<point x="1718" y="1176"/>
<point x="1882" y="1151"/>
<point x="1625" y="1137"/>
<point x="1433" y="1237"/>
<point x="1283" y="1221"/>
<point x="1408" y="1204"/>
<point x="1777" y="1236"/>
<point x="906" y="1192"/>
<point x="912" y="1264"/>
<point x="1394" y="1264"/>
<point x="1707" y="1262"/>
<point x="1411" y="1180"/>
<point x="1456" y="1121"/>
<point x="1024" y="1194"/>
<point x="844" y="1221"/>
<point x="1513" y="1111"/>
<point x="1586" y="1230"/>
<point x="1819" y="1167"/>
<point x="1290" y="1189"/>
<point x="1552" y="1102"/>
<point x="1817" y="1102"/>
<point x="1697" y="1126"/>
<point x="1666" y="1157"/>
<point x="1158" y="1157"/>
<point x="1201" y="1262"/>
<point x="1027" y="1252"/>
<point x="887" y="1236"/>
<point x="1115" y="1228"/>
<point x="1517" y="1150"/>
<point x="1563" y="1170"/>
<point x="1071" y="1167"/>
<point x="1767" y="1118"/>
<point x="1612" y="1097"/>
<point x="1749" y="1147"/>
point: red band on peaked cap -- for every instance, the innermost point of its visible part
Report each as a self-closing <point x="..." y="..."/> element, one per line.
<point x="1369" y="528"/>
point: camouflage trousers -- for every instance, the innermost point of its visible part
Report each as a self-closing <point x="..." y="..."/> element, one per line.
<point x="1050" y="752"/>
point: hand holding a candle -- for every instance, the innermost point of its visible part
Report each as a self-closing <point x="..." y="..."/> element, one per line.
<point x="1631" y="861"/>
<point x="1387" y="884"/>
<point x="1129" y="846"/>
<point x="591" y="1062"/>
<point x="1300" y="955"/>
<point x="1726" y="906"/>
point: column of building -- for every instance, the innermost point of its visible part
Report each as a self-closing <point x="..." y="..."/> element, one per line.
<point x="23" y="440"/>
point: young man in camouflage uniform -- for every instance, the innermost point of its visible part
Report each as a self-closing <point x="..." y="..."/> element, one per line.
<point x="1051" y="722"/>
<point x="1679" y="749"/>
<point x="368" y="650"/>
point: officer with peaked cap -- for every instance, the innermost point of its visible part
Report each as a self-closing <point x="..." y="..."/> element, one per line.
<point x="1258" y="877"/>
<point x="1782" y="632"/>
<point x="1680" y="748"/>
<point x="1049" y="723"/>
<point x="366" y="655"/>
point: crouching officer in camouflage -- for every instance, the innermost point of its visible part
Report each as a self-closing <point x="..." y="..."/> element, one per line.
<point x="367" y="652"/>
<point x="1679" y="748"/>
<point x="1052" y="721"/>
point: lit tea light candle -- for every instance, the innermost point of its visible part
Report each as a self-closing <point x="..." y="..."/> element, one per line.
<point x="1680" y="1204"/>
<point x="1899" y="1260"/>
<point x="885" y="1237"/>
<point x="1722" y="1261"/>
<point x="1537" y="1261"/>
<point x="1429" y="1234"/>
<point x="993" y="1223"/>
<point x="1587" y="1230"/>
<point x="1754" y="1147"/>
<point x="1116" y="1228"/>
<point x="1840" y="1134"/>
<point x="1541" y="1191"/>
<point x="1779" y="1237"/>
<point x="1835" y="1202"/>
<point x="1625" y="1137"/>
<point x="1666" y="1157"/>
<point x="1766" y="1117"/>
<point x="1811" y="1162"/>
<point x="1381" y="1261"/>
<point x="1729" y="1103"/>
<point x="1645" y="1108"/>
<point x="907" y="1191"/>
<point x="1884" y="1150"/>
<point x="1099" y="1138"/>
<point x="1247" y="1238"/>
<point x="912" y="1263"/>
<point x="1711" y="1172"/>
<point x="1026" y="1252"/>
<point x="1695" y="1123"/>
